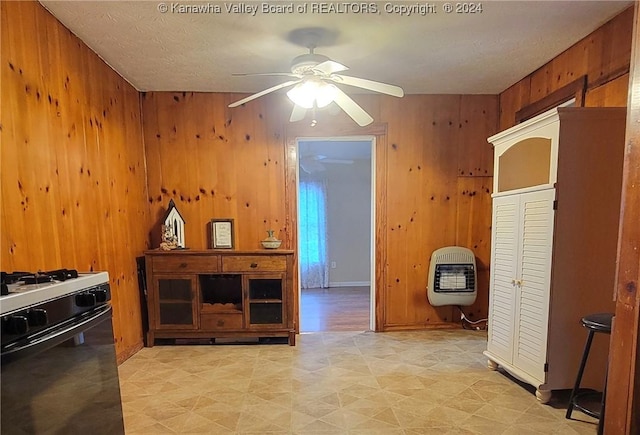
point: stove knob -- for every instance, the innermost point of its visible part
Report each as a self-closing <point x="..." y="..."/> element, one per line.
<point x="101" y="295"/>
<point x="16" y="325"/>
<point x="37" y="317"/>
<point x="86" y="300"/>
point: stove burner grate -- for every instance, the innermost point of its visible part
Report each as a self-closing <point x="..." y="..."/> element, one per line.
<point x="35" y="278"/>
<point x="62" y="274"/>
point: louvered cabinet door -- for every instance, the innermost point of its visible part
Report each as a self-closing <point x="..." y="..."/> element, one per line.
<point x="533" y="282"/>
<point x="504" y="249"/>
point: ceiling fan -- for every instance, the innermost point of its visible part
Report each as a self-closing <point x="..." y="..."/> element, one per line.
<point x="316" y="163"/>
<point x="314" y="79"/>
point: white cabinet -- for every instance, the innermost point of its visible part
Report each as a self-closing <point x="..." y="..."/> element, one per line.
<point x="556" y="204"/>
<point x="521" y="272"/>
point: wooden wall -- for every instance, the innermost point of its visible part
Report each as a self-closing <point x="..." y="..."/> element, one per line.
<point x="73" y="165"/>
<point x="215" y="163"/>
<point x="433" y="156"/>
<point x="623" y="395"/>
<point x="72" y="162"/>
<point x="438" y="174"/>
<point x="434" y="166"/>
<point x="603" y="56"/>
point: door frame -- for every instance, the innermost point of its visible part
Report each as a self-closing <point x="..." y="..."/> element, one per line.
<point x="377" y="131"/>
<point x="372" y="213"/>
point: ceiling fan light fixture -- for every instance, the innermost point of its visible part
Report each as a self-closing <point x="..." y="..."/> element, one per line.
<point x="326" y="94"/>
<point x="312" y="92"/>
<point x="314" y="83"/>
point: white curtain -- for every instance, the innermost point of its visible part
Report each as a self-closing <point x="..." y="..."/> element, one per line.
<point x="314" y="267"/>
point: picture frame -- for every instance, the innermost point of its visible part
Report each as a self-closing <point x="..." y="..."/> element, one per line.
<point x="222" y="234"/>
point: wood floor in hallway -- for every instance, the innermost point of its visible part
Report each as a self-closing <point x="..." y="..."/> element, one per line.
<point x="334" y="309"/>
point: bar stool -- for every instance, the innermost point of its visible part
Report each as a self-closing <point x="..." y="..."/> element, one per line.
<point x="600" y="322"/>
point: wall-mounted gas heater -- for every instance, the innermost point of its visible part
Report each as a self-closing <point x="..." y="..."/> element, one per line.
<point x="452" y="277"/>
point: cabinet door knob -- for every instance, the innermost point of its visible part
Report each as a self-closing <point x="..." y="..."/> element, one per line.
<point x="253" y="265"/>
<point x="513" y="282"/>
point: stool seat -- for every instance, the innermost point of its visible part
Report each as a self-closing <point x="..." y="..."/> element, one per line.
<point x="600" y="322"/>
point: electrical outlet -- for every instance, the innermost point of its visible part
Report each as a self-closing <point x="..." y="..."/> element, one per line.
<point x="333" y="264"/>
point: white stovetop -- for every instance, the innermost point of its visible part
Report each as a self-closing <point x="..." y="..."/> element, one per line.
<point x="23" y="296"/>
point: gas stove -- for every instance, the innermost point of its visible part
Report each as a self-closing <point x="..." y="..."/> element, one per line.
<point x="21" y="290"/>
<point x="56" y="341"/>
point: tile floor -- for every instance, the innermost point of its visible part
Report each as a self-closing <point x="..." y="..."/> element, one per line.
<point x="427" y="382"/>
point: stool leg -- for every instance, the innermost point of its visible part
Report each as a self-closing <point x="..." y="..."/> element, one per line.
<point x="583" y="363"/>
<point x="604" y="397"/>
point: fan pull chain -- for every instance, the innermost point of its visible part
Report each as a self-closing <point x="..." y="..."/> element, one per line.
<point x="313" y="116"/>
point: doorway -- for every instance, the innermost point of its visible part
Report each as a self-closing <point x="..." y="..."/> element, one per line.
<point x="336" y="226"/>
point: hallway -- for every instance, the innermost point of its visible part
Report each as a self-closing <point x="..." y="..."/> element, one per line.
<point x="334" y="309"/>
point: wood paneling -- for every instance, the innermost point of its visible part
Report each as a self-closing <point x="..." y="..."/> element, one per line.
<point x="73" y="165"/>
<point x="513" y="99"/>
<point x="421" y="202"/>
<point x="72" y="162"/>
<point x="575" y="89"/>
<point x="214" y="162"/>
<point x="473" y="231"/>
<point x="611" y="94"/>
<point x="623" y="395"/>
<point x="478" y="116"/>
<point x="436" y="141"/>
<point x="430" y="151"/>
<point x="603" y="56"/>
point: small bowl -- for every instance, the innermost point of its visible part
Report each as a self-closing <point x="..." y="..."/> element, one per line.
<point x="271" y="244"/>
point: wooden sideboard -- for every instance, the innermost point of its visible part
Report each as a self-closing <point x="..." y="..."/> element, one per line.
<point x="220" y="294"/>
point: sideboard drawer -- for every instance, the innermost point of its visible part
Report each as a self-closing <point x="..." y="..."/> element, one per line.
<point x="255" y="263"/>
<point x="186" y="263"/>
<point x="210" y="321"/>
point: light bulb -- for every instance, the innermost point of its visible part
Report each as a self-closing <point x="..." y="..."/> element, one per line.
<point x="325" y="95"/>
<point x="303" y="94"/>
<point x="312" y="91"/>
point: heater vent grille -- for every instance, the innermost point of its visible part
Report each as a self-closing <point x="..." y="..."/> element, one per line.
<point x="452" y="277"/>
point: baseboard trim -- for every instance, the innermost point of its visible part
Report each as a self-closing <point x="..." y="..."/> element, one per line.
<point x="350" y="284"/>
<point x="129" y="352"/>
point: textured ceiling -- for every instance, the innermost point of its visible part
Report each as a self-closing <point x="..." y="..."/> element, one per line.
<point x="435" y="53"/>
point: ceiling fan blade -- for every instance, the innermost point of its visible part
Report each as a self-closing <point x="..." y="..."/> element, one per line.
<point x="265" y="92"/>
<point x="298" y="113"/>
<point x="286" y="74"/>
<point x="310" y="166"/>
<point x="352" y="109"/>
<point x="338" y="161"/>
<point x="329" y="67"/>
<point x="383" y="88"/>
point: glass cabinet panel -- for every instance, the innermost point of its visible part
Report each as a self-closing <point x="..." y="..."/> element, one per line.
<point x="175" y="302"/>
<point x="265" y="313"/>
<point x="265" y="300"/>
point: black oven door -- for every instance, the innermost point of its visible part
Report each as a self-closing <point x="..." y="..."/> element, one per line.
<point x="63" y="380"/>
